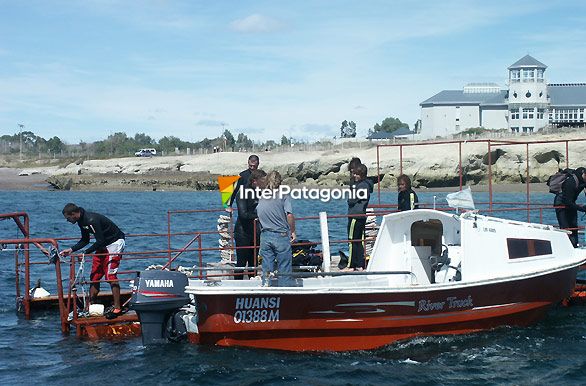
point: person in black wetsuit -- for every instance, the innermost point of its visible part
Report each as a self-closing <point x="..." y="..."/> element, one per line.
<point x="357" y="218"/>
<point x="253" y="162"/>
<point x="568" y="214"/>
<point x="354" y="163"/>
<point x="244" y="229"/>
<point x="109" y="244"/>
<point x="407" y="198"/>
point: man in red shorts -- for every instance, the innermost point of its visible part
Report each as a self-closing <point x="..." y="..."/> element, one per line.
<point x="109" y="244"/>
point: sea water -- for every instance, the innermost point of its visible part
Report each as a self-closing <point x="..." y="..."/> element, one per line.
<point x="34" y="352"/>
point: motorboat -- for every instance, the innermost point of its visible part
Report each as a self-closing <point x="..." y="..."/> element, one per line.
<point x="430" y="273"/>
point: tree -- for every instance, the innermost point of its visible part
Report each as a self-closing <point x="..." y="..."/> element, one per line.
<point x="143" y="140"/>
<point x="119" y="144"/>
<point x="285" y="141"/>
<point x="29" y="138"/>
<point x="55" y="146"/>
<point x="343" y="128"/>
<point x="168" y="144"/>
<point x="243" y="142"/>
<point x="269" y="145"/>
<point x="352" y="130"/>
<point x="230" y="141"/>
<point x="390" y="124"/>
<point x="206" y="143"/>
<point x="348" y="129"/>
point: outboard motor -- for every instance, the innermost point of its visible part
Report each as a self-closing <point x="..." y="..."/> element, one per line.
<point x="157" y="297"/>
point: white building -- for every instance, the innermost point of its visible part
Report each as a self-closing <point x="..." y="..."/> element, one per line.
<point x="527" y="105"/>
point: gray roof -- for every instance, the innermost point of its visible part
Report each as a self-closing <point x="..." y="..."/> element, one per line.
<point x="402" y="131"/>
<point x="567" y="94"/>
<point x="380" y="135"/>
<point x="386" y="135"/>
<point x="459" y="97"/>
<point x="527" y="61"/>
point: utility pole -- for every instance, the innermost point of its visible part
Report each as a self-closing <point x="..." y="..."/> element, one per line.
<point x="20" y="127"/>
<point x="223" y="136"/>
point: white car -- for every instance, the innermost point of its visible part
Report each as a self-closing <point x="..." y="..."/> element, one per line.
<point x="146" y="153"/>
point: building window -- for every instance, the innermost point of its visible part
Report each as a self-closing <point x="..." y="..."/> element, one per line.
<point x="519" y="248"/>
<point x="540" y="75"/>
<point x="528" y="113"/>
<point x="528" y="75"/>
<point x="515" y="76"/>
<point x="527" y="129"/>
<point x="540" y="113"/>
<point x="515" y="114"/>
<point x="514" y="129"/>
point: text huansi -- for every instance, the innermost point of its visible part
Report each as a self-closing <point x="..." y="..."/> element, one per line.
<point x="257" y="310"/>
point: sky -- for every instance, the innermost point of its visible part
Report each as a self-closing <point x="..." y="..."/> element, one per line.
<point x="82" y="70"/>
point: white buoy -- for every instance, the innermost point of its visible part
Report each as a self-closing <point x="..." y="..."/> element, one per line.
<point x="39" y="292"/>
<point x="96" y="310"/>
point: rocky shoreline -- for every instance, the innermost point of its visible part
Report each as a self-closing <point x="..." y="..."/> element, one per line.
<point x="173" y="181"/>
<point x="434" y="166"/>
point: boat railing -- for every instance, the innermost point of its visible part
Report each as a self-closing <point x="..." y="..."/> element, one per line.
<point x="347" y="273"/>
<point x="398" y="150"/>
<point x="25" y="264"/>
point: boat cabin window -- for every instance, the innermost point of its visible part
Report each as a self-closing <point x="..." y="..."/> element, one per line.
<point x="519" y="248"/>
<point x="427" y="233"/>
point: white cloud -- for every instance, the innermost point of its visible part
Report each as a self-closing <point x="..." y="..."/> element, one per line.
<point x="250" y="130"/>
<point x="314" y="130"/>
<point x="211" y="122"/>
<point x="255" y="23"/>
<point x="345" y="62"/>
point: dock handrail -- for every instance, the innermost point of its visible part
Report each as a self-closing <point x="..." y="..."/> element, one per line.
<point x="26" y="295"/>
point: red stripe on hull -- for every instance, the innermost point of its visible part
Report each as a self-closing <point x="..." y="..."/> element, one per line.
<point x="310" y="335"/>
